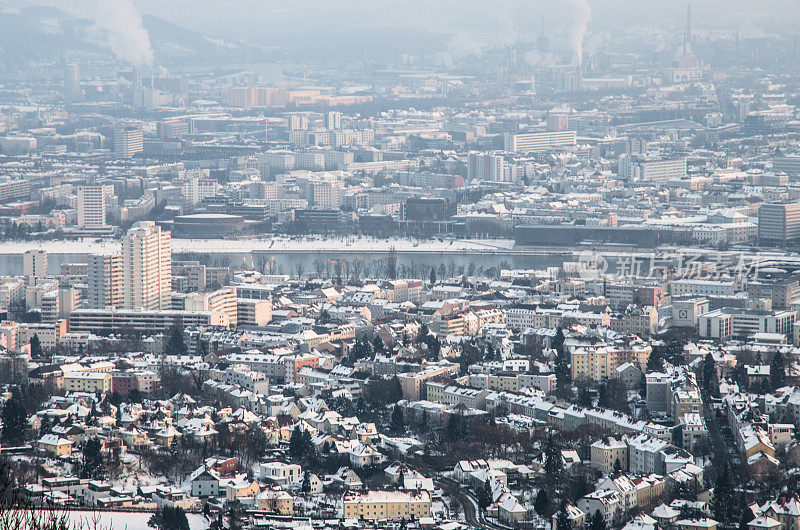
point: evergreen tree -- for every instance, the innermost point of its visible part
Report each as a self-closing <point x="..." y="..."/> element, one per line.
<point x="360" y="350"/>
<point x="562" y="370"/>
<point x="484" y="495"/>
<point x="307" y="446"/>
<point x="558" y="342"/>
<point x="296" y="443"/>
<point x="597" y="522"/>
<point x="175" y="344"/>
<point x="433" y="276"/>
<point x="377" y="344"/>
<point x="398" y="423"/>
<point x="709" y="371"/>
<point x="454" y="426"/>
<point x="777" y="371"/>
<point x="617" y="467"/>
<point x="724" y="498"/>
<point x="92" y="465"/>
<point x="256" y="442"/>
<point x="747" y="515"/>
<point x="424" y="422"/>
<point x="563" y="521"/>
<point x="552" y="461"/>
<point x="603" y="400"/>
<point x="542" y="503"/>
<point x="306" y="486"/>
<point x="15" y="420"/>
<point x="655" y="363"/>
<point x="489" y="355"/>
<point x="584" y="397"/>
<point x="169" y="518"/>
<point x="36" y="347"/>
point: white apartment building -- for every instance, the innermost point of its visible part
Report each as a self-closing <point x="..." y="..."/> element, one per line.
<point x="104" y="281"/>
<point x="110" y="320"/>
<point x="743" y="323"/>
<point x="687" y="313"/>
<point x="128" y="140"/>
<point x="488" y="167"/>
<point x="696" y="287"/>
<point x="198" y="185"/>
<point x="146" y="267"/>
<point x="92" y="205"/>
<point x="251" y="312"/>
<point x="222" y="300"/>
<point x="539" y="142"/>
<point x="34" y="263"/>
<point x="326" y="193"/>
<point x="636" y="169"/>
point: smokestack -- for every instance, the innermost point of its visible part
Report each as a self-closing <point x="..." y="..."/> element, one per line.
<point x="582" y="15"/>
<point x="116" y="24"/>
<point x="688" y="36"/>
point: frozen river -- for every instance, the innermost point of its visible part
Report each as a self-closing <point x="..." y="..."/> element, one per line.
<point x="286" y="254"/>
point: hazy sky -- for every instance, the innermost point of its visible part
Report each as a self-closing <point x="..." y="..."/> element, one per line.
<point x="307" y="27"/>
<point x="254" y="18"/>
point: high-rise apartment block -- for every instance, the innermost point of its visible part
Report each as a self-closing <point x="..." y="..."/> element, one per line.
<point x="72" y="83"/>
<point x="488" y="167"/>
<point x="92" y="205"/>
<point x="34" y="263"/>
<point x="104" y="281"/>
<point x="146" y="267"/>
<point x="128" y="140"/>
<point x="779" y="223"/>
<point x="333" y="120"/>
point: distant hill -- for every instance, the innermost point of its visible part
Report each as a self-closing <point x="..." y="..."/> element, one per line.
<point x="48" y="34"/>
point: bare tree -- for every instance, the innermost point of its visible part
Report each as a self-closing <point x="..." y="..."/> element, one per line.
<point x="391" y="264"/>
<point x="356" y="269"/>
<point x="319" y="267"/>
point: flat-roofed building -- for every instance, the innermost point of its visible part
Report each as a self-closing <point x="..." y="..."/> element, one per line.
<point x="540" y="142"/>
<point x="779" y="224"/>
<point x="94" y="382"/>
<point x="110" y="320"/>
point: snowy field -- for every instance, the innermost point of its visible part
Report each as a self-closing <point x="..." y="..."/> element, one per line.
<point x="128" y="520"/>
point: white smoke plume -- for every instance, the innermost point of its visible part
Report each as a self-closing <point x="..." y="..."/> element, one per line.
<point x="583" y="13"/>
<point x="116" y="24"/>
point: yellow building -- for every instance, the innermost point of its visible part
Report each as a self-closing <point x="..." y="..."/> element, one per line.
<point x="275" y="500"/>
<point x="503" y="382"/>
<point x="382" y="504"/>
<point x="606" y="453"/>
<point x="52" y="444"/>
<point x="94" y="382"/>
<point x="649" y="489"/>
<point x="240" y="490"/>
<point x="599" y="363"/>
<point x="413" y="383"/>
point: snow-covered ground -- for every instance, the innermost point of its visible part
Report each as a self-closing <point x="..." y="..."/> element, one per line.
<point x="128" y="520"/>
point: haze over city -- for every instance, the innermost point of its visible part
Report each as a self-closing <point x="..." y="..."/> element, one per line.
<point x="399" y="265"/>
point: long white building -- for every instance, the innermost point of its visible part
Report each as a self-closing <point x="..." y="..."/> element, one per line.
<point x="540" y="142"/>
